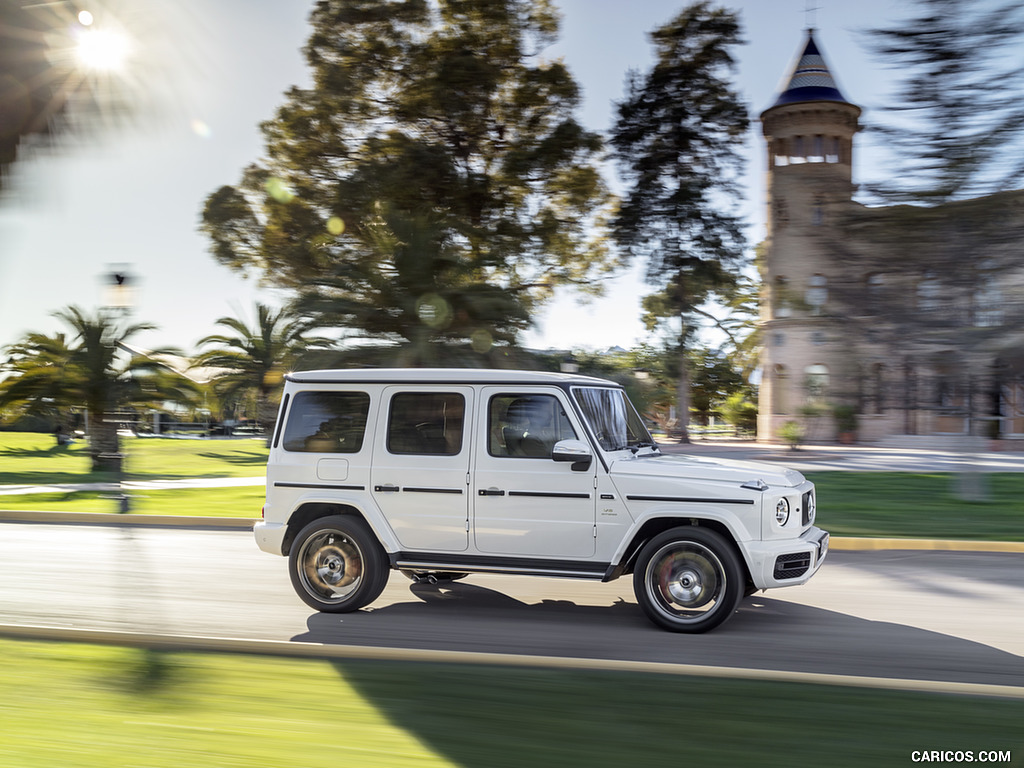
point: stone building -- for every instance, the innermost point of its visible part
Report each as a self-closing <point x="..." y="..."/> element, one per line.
<point x="910" y="318"/>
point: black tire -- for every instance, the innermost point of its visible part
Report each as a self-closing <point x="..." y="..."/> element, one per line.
<point x="337" y="565"/>
<point x="688" y="579"/>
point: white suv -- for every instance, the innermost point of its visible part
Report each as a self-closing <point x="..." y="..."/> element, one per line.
<point x="443" y="473"/>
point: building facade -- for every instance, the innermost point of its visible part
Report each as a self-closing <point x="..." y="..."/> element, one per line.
<point x="880" y="321"/>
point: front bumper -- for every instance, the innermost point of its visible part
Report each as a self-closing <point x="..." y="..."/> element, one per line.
<point x="787" y="562"/>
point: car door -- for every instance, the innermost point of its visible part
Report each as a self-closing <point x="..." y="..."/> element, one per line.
<point x="420" y="470"/>
<point x="524" y="503"/>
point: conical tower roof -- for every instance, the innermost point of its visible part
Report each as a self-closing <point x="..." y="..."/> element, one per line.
<point x="810" y="79"/>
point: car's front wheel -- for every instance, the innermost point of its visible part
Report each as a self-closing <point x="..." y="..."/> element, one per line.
<point x="337" y="565"/>
<point x="688" y="579"/>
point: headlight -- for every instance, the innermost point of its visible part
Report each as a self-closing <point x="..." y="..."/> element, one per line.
<point x="782" y="511"/>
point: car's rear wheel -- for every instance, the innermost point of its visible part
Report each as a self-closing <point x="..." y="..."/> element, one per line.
<point x="688" y="579"/>
<point x="337" y="565"/>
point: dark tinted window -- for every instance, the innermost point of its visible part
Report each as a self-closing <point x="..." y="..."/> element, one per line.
<point x="527" y="426"/>
<point x="327" y="422"/>
<point x="426" y="423"/>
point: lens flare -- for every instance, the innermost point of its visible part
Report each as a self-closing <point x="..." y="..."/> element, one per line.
<point x="279" y="190"/>
<point x="335" y="225"/>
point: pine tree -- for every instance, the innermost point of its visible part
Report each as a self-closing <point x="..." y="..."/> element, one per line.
<point x="676" y="138"/>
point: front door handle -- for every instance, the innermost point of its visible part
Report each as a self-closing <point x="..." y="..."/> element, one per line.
<point x="386" y="488"/>
<point x="490" y="492"/>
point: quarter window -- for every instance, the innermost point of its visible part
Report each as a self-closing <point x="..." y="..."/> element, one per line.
<point x="428" y="423"/>
<point x="327" y="422"/>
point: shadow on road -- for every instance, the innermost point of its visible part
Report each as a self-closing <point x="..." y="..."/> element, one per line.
<point x="765" y="633"/>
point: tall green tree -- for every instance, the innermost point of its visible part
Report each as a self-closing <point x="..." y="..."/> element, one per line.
<point x="432" y="185"/>
<point x="955" y="122"/>
<point x="676" y="138"/>
<point x="92" y="368"/>
<point x="252" y="360"/>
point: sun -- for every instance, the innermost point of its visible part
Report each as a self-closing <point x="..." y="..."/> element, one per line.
<point x="102" y="50"/>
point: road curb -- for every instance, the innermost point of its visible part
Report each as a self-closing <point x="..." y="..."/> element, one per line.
<point x="292" y="649"/>
<point x="841" y="543"/>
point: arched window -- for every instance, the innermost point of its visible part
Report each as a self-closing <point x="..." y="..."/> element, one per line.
<point x="817" y="293"/>
<point x="816" y="382"/>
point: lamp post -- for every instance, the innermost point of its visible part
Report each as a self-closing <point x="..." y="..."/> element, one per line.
<point x="118" y="299"/>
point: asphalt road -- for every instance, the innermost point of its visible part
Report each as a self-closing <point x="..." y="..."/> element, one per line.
<point x="944" y="616"/>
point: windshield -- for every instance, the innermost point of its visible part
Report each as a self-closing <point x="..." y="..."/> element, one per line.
<point x="612" y="418"/>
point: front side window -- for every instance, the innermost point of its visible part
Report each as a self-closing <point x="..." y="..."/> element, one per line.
<point x="427" y="423"/>
<point x="327" y="422"/>
<point x="612" y="418"/>
<point x="526" y="426"/>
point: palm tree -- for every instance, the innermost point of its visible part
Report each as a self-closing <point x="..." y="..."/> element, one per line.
<point x="96" y="371"/>
<point x="253" y="361"/>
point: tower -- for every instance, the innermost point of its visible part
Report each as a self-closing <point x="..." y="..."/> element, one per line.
<point x="809" y="133"/>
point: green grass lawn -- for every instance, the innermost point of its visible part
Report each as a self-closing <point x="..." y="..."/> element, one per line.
<point x="909" y="505"/>
<point x="29" y="459"/>
<point x="95" y="707"/>
<point x="202" y="502"/>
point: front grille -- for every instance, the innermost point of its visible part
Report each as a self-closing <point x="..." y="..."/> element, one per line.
<point x="792" y="566"/>
<point x="807" y="508"/>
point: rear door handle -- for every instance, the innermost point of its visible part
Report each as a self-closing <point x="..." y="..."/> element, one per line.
<point x="490" y="492"/>
<point x="386" y="488"/>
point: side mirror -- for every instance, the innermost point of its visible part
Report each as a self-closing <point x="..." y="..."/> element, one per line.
<point x="576" y="451"/>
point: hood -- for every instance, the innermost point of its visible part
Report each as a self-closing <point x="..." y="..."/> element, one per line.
<point x="706" y="469"/>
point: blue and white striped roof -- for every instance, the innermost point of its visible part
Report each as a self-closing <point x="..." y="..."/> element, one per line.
<point x="810" y="79"/>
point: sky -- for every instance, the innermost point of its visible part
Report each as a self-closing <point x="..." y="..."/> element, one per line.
<point x="205" y="73"/>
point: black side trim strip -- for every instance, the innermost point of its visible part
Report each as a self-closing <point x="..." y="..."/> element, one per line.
<point x="321" y="485"/>
<point x="690" y="500"/>
<point x="433" y="490"/>
<point x="449" y="562"/>
<point x="552" y="495"/>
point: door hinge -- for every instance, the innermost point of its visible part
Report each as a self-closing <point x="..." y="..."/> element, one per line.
<point x="595" y="531"/>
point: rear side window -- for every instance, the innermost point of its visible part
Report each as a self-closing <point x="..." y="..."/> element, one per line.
<point x="428" y="423"/>
<point x="327" y="422"/>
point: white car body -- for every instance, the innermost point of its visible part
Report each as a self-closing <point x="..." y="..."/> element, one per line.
<point x="465" y="491"/>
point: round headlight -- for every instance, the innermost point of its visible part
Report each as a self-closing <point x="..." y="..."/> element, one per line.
<point x="782" y="511"/>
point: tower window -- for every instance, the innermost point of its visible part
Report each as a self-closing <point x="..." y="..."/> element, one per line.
<point x="832" y="151"/>
<point x="817" y="153"/>
<point x="799" y="153"/>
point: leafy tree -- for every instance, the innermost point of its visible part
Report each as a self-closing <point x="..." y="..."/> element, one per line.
<point x="93" y="370"/>
<point x="433" y="185"/>
<point x="957" y="119"/>
<point x="676" y="138"/>
<point x="712" y="379"/>
<point x="253" y="360"/>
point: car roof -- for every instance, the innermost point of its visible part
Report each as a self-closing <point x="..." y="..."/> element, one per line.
<point x="443" y="376"/>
